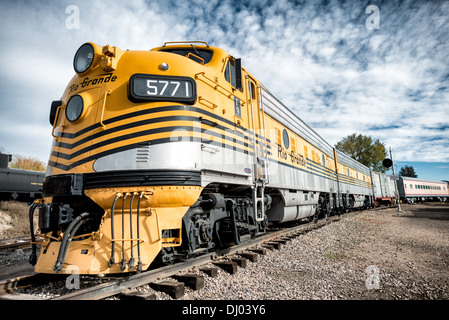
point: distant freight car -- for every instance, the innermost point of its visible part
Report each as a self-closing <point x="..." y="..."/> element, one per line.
<point x="18" y="184"/>
<point x="383" y="189"/>
<point x="412" y="190"/>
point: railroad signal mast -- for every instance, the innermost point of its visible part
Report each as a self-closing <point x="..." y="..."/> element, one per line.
<point x="389" y="163"/>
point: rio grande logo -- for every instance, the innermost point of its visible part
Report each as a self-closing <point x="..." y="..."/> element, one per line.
<point x="101" y="78"/>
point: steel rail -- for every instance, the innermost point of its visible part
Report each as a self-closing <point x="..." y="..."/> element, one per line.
<point x="14" y="243"/>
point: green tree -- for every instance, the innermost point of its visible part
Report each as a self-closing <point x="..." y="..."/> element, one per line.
<point x="408" y="171"/>
<point x="365" y="150"/>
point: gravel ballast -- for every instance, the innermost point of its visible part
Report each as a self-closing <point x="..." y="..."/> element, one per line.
<point x="382" y="254"/>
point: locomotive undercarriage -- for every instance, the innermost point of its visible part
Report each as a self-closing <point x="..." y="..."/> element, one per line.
<point x="220" y="218"/>
<point x="329" y="204"/>
<point x="224" y="216"/>
<point x="81" y="221"/>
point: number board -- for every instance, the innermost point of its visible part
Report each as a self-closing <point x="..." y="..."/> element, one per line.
<point x="150" y="87"/>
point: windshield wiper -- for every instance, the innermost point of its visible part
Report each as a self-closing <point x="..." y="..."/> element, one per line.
<point x="197" y="53"/>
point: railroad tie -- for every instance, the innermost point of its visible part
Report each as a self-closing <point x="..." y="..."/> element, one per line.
<point x="261" y="251"/>
<point x="193" y="281"/>
<point x="241" y="262"/>
<point x="210" y="271"/>
<point x="251" y="256"/>
<point x="228" y="266"/>
<point x="173" y="289"/>
<point x="275" y="244"/>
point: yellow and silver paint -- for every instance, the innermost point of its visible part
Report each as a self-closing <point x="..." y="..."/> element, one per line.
<point x="208" y="136"/>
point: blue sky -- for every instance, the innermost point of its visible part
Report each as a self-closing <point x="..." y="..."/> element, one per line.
<point x="322" y="59"/>
<point x="425" y="170"/>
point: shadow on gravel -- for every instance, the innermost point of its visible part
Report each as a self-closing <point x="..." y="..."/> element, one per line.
<point x="435" y="212"/>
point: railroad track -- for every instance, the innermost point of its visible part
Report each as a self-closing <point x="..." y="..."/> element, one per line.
<point x="15" y="243"/>
<point x="157" y="277"/>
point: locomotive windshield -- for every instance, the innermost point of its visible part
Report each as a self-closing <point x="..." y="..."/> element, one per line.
<point x="199" y="55"/>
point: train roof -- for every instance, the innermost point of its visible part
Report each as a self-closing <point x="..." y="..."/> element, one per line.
<point x="276" y="109"/>
<point x="422" y="180"/>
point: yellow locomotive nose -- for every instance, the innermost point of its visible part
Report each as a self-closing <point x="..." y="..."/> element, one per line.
<point x="137" y="224"/>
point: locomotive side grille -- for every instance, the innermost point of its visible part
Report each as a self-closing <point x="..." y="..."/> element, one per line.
<point x="143" y="153"/>
<point x="74" y="184"/>
<point x="142" y="178"/>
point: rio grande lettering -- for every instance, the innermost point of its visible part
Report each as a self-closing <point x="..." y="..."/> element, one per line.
<point x="107" y="77"/>
<point x="295" y="158"/>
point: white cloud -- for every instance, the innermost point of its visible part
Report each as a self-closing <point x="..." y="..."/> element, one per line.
<point x="320" y="60"/>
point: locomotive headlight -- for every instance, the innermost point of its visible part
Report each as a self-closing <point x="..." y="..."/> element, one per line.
<point x="84" y="58"/>
<point x="74" y="108"/>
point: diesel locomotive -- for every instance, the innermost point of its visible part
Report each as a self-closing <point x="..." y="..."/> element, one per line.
<point x="165" y="154"/>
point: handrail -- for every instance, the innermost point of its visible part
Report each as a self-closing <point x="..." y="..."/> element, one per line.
<point x="184" y="42"/>
<point x="56" y="120"/>
<point x="201" y="99"/>
<point x="216" y="85"/>
<point x="264" y="137"/>
<point x="250" y="91"/>
<point x="102" y="109"/>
